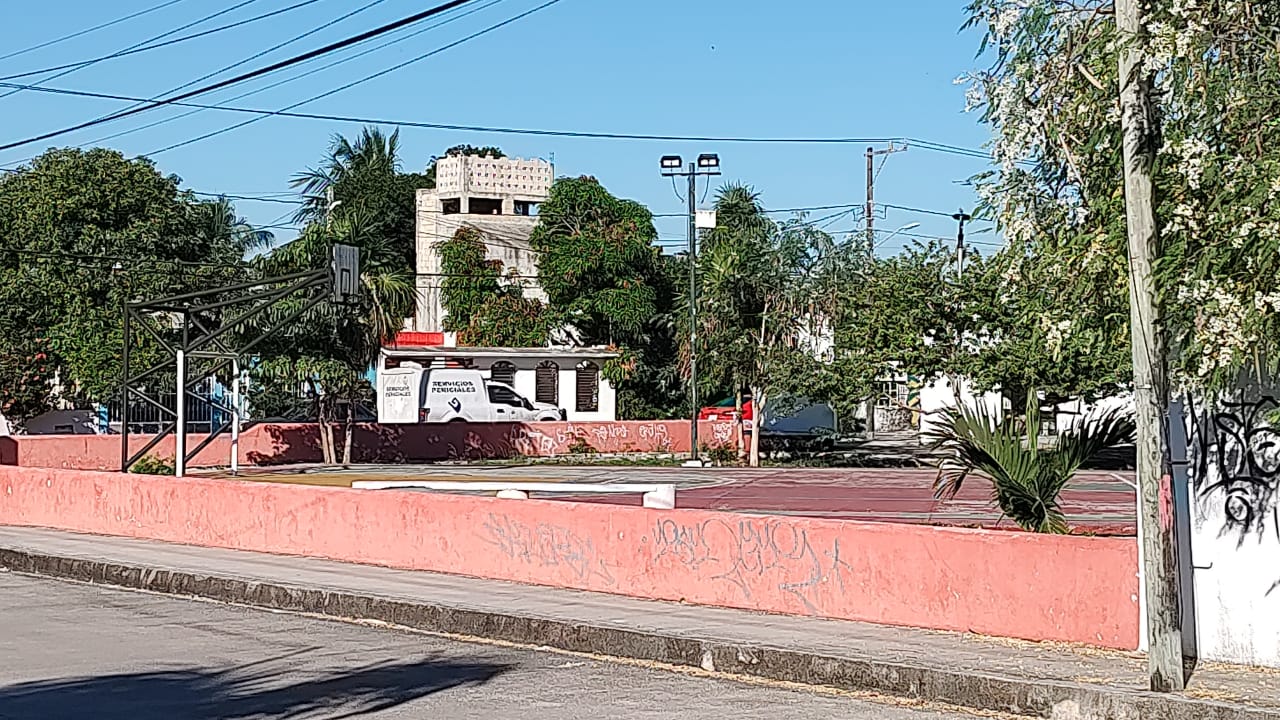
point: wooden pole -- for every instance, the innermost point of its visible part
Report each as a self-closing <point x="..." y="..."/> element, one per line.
<point x="1151" y="389"/>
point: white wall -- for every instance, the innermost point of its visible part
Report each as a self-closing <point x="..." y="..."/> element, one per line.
<point x="526" y="384"/>
<point x="939" y="394"/>
<point x="1234" y="452"/>
<point x="608" y="401"/>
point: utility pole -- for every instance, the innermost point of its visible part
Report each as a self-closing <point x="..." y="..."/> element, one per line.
<point x="869" y="211"/>
<point x="1150" y="381"/>
<point x="962" y="217"/>
<point x="693" y="312"/>
<point x="707" y="164"/>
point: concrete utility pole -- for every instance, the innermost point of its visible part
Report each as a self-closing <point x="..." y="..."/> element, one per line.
<point x="869" y="211"/>
<point x="1150" y="382"/>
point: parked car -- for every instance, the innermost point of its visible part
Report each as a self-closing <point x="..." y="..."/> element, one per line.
<point x="801" y="419"/>
<point x="725" y="410"/>
<point x="411" y="394"/>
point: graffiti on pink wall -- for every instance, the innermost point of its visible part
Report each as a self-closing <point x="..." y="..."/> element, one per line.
<point x="747" y="552"/>
<point x="1063" y="588"/>
<point x="277" y="444"/>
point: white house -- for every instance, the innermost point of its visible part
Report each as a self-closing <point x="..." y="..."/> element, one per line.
<point x="570" y="378"/>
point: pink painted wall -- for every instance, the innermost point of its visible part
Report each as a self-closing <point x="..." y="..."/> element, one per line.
<point x="298" y="443"/>
<point x="1074" y="589"/>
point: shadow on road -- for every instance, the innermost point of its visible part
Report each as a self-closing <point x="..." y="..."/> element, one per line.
<point x="230" y="694"/>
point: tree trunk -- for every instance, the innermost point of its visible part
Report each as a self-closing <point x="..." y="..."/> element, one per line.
<point x="326" y="432"/>
<point x="348" y="430"/>
<point x="757" y="418"/>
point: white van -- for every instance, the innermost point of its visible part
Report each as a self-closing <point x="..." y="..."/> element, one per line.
<point x="412" y="394"/>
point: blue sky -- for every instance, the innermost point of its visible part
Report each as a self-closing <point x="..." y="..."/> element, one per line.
<point x="741" y="68"/>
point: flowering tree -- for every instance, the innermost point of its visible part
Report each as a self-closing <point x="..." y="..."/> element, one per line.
<point x="1051" y="96"/>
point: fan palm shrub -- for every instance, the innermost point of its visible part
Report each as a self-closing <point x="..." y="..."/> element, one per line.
<point x="1026" y="480"/>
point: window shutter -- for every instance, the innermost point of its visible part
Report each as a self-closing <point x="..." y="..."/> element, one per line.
<point x="503" y="372"/>
<point x="588" y="387"/>
<point x="547" y="383"/>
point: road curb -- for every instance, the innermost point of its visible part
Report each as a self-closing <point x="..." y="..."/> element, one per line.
<point x="1057" y="700"/>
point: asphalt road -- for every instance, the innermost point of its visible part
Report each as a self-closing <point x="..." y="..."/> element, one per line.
<point x="77" y="651"/>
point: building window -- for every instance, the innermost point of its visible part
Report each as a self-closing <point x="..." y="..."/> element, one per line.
<point x="503" y="372"/>
<point x="588" y="387"/>
<point x="546" y="386"/>
<point x="484" y="206"/>
<point x="892" y="394"/>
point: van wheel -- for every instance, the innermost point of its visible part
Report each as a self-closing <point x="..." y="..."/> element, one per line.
<point x="458" y="420"/>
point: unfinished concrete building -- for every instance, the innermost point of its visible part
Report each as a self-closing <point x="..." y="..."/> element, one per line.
<point x="498" y="197"/>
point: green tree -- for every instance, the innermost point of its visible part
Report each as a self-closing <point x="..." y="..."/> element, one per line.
<point x="363" y="176"/>
<point x="330" y="350"/>
<point x="469" y="278"/>
<point x="1050" y="98"/>
<point x="768" y="296"/>
<point x="508" y="319"/>
<point x="81" y="232"/>
<point x="648" y="375"/>
<point x="597" y="260"/>
<point x="484" y="311"/>
<point x="601" y="271"/>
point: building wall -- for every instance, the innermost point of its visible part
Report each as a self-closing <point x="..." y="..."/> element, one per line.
<point x="467" y="175"/>
<point x="506" y="239"/>
<point x="526" y="385"/>
<point x="1233" y="445"/>
<point x="939" y="394"/>
<point x="1014" y="584"/>
<point x="506" y="236"/>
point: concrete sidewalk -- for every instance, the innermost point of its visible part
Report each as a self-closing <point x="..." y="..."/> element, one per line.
<point x="1057" y="682"/>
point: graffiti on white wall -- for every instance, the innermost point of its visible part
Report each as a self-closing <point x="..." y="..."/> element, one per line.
<point x="1234" y="454"/>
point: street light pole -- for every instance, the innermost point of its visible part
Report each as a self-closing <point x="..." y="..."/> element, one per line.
<point x="962" y="217"/>
<point x="693" y="312"/>
<point x="707" y="164"/>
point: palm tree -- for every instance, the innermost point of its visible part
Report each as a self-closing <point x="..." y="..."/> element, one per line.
<point x="1026" y="480"/>
<point x="373" y="153"/>
<point x="218" y="227"/>
<point x="333" y="346"/>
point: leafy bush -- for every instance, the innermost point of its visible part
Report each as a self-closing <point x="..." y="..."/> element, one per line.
<point x="580" y="446"/>
<point x="1026" y="479"/>
<point x="152" y="465"/>
<point x="721" y="454"/>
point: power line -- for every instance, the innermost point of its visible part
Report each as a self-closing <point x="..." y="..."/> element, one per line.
<point x="166" y="43"/>
<point x="779" y="210"/>
<point x="86" y="31"/>
<point x="232" y="196"/>
<point x="149" y="40"/>
<point x="271" y="197"/>
<point x="261" y="53"/>
<point x="63" y="255"/>
<point x="364" y="79"/>
<point x="313" y="71"/>
<point x="318" y="52"/>
<point x="496" y="130"/>
<point x="921" y="211"/>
